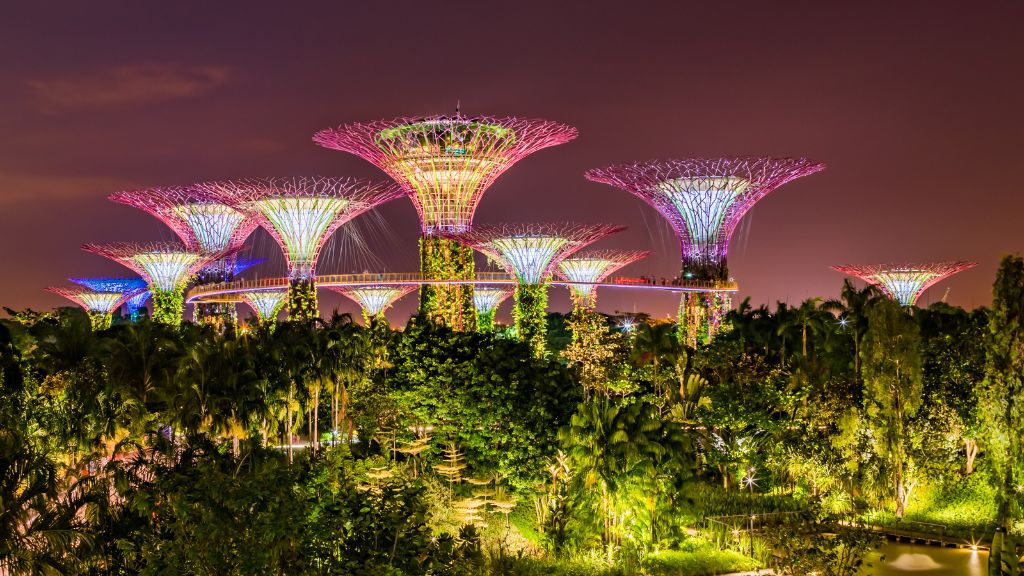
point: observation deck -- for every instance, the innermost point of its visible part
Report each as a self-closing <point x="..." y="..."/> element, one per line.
<point x="223" y="291"/>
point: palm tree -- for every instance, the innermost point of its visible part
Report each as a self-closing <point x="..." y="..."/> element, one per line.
<point x="655" y="344"/>
<point x="853" y="306"/>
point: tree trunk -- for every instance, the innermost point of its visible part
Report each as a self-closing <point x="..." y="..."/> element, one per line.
<point x="316" y="419"/>
<point x="971" y="448"/>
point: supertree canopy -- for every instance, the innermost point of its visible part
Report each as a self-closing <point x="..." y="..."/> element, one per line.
<point x="266" y="303"/>
<point x="167" y="268"/>
<point x="301" y="214"/>
<point x="486" y="299"/>
<point x="704" y="200"/>
<point x="905" y="282"/>
<point x="375" y="299"/>
<point x="530" y="252"/>
<point x="445" y="164"/>
<point x="99" y="304"/>
<point x="133" y="289"/>
<point x="593" y="266"/>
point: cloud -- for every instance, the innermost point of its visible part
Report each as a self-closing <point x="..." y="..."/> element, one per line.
<point x="38" y="188"/>
<point x="130" y="84"/>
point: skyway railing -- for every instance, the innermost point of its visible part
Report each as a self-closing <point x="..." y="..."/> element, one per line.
<point x="222" y="291"/>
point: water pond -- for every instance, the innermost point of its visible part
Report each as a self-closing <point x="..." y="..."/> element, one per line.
<point x="920" y="560"/>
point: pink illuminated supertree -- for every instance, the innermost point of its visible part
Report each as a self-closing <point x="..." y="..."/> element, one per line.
<point x="704" y="200"/>
<point x="301" y="214"/>
<point x="530" y="252"/>
<point x="203" y="225"/>
<point x="905" y="283"/>
<point x="167" y="267"/>
<point x="445" y="164"/>
<point x="375" y="299"/>
<point x="486" y="300"/>
<point x="100" y="305"/>
<point x="266" y="303"/>
<point x="591" y="267"/>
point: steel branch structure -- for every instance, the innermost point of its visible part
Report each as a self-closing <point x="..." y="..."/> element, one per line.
<point x="704" y="199"/>
<point x="374" y="300"/>
<point x="166" y="267"/>
<point x="301" y="214"/>
<point x="445" y="164"/>
<point x="267" y="304"/>
<point x="486" y="299"/>
<point x="530" y="252"/>
<point x="203" y="224"/>
<point x="905" y="282"/>
<point x="593" y="266"/>
<point x="133" y="289"/>
<point x="100" y="305"/>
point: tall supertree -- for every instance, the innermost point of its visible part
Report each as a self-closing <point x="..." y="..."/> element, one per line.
<point x="486" y="299"/>
<point x="375" y="299"/>
<point x="905" y="283"/>
<point x="133" y="289"/>
<point x="203" y="225"/>
<point x="591" y="267"/>
<point x="703" y="200"/>
<point x="530" y="252"/>
<point x="445" y="164"/>
<point x="167" y="267"/>
<point x="266" y="303"/>
<point x="100" y="305"/>
<point x="301" y="214"/>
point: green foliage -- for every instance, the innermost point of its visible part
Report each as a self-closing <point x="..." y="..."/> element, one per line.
<point x="488" y="395"/>
<point x="449" y="305"/>
<point x="1000" y="395"/>
<point x="893" y="386"/>
<point x="302" y="303"/>
<point x="530" y="317"/>
<point x="168" y="306"/>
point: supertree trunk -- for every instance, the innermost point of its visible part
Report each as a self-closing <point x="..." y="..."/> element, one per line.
<point x="100" y="320"/>
<point x="485" y="322"/>
<point x="531" y="301"/>
<point x="701" y="316"/>
<point x="302" y="303"/>
<point x="168" y="306"/>
<point x="447" y="304"/>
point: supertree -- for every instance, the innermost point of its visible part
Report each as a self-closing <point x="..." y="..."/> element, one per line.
<point x="301" y="214"/>
<point x="591" y="267"/>
<point x="486" y="299"/>
<point x="133" y="289"/>
<point x="530" y="252"/>
<point x="445" y="164"/>
<point x="166" y="267"/>
<point x="100" y="305"/>
<point x="266" y="303"/>
<point x="375" y="299"/>
<point x="905" y="283"/>
<point x="203" y="225"/>
<point x="703" y="200"/>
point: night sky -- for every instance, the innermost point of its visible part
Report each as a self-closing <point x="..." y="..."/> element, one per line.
<point x="916" y="107"/>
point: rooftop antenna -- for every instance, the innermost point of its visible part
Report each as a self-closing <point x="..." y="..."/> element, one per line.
<point x="945" y="295"/>
<point x="458" y="107"/>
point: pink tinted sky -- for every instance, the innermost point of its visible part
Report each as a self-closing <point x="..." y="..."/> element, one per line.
<point x="915" y="107"/>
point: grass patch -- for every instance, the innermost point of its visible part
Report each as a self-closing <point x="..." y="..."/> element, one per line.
<point x="965" y="506"/>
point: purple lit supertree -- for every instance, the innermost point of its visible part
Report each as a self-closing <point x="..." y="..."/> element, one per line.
<point x="445" y="164"/>
<point x="905" y="283"/>
<point x="166" y="267"/>
<point x="486" y="299"/>
<point x="266" y="303"/>
<point x="301" y="214"/>
<point x="704" y="200"/>
<point x="530" y="252"/>
<point x="203" y="225"/>
<point x="133" y="289"/>
<point x="100" y="305"/>
<point x="591" y="267"/>
<point x="375" y="299"/>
